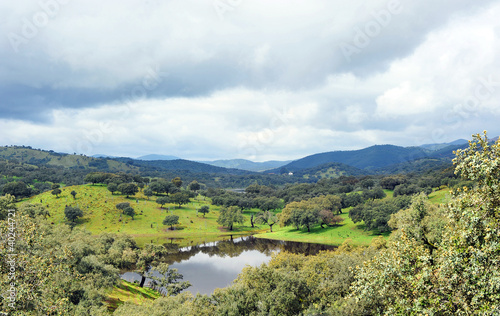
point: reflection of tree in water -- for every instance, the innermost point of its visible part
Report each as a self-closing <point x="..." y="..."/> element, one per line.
<point x="235" y="247"/>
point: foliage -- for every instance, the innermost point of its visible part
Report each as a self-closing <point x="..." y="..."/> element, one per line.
<point x="162" y="200"/>
<point x="112" y="187"/>
<point x="194" y="186"/>
<point x="129" y="211"/>
<point x="177" y="182"/>
<point x="204" y="210"/>
<point x="179" y="198"/>
<point x="148" y="192"/>
<point x="56" y="192"/>
<point x="63" y="271"/>
<point x="18" y="189"/>
<point x="168" y="283"/>
<point x="228" y="216"/>
<point x="122" y="205"/>
<point x="376" y="214"/>
<point x="72" y="213"/>
<point x="128" y="188"/>
<point x="443" y="261"/>
<point x="171" y="220"/>
<point x="268" y="218"/>
<point x="7" y="203"/>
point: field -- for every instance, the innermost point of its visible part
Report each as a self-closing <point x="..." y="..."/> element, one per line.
<point x="101" y="215"/>
<point x="335" y="235"/>
<point x="440" y="196"/>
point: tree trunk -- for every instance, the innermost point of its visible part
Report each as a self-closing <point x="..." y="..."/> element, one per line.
<point x="308" y="229"/>
<point x="251" y="220"/>
<point x="231" y="227"/>
<point x="143" y="279"/>
<point x="271" y="226"/>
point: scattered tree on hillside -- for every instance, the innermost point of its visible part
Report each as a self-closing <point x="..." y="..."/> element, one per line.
<point x="162" y="200"/>
<point x="112" y="187"/>
<point x="56" y="192"/>
<point x="228" y="216"/>
<point x="129" y="211"/>
<point x="73" y="193"/>
<point x="163" y="186"/>
<point x="204" y="210"/>
<point x="180" y="198"/>
<point x="148" y="192"/>
<point x="128" y="189"/>
<point x="171" y="220"/>
<point x="72" y="213"/>
<point x="96" y="177"/>
<point x="122" y="206"/>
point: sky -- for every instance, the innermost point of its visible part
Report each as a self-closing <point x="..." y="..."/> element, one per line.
<point x="253" y="79"/>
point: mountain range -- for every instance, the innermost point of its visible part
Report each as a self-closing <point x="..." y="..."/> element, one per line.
<point x="373" y="159"/>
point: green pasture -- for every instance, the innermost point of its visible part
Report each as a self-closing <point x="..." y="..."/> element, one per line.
<point x="334" y="235"/>
<point x="101" y="215"/>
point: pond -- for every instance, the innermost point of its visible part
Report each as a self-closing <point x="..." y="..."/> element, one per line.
<point x="216" y="265"/>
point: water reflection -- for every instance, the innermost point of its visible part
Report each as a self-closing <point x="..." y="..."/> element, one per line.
<point x="216" y="265"/>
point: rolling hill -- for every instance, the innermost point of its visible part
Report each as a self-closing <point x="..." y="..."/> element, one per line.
<point x="26" y="154"/>
<point x="370" y="158"/>
<point x="444" y="145"/>
<point x="181" y="164"/>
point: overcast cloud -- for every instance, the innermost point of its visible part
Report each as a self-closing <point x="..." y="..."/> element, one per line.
<point x="248" y="79"/>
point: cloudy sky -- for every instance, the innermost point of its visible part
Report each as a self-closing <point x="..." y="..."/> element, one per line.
<point x="255" y="79"/>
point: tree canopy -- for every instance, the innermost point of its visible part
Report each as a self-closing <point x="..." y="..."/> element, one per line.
<point x="171" y="220"/>
<point x="228" y="216"/>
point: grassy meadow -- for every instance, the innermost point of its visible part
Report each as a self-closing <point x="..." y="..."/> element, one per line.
<point x="334" y="235"/>
<point x="101" y="215"/>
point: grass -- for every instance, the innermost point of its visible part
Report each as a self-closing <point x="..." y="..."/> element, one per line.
<point x="101" y="215"/>
<point x="129" y="292"/>
<point x="334" y="235"/>
<point x="440" y="196"/>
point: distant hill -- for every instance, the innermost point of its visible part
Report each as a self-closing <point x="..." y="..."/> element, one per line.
<point x="370" y="158"/>
<point x="248" y="165"/>
<point x="157" y="157"/>
<point x="181" y="164"/>
<point x="457" y="142"/>
<point x="27" y="154"/>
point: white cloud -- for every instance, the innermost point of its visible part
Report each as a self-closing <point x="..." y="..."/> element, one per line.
<point x="265" y="81"/>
